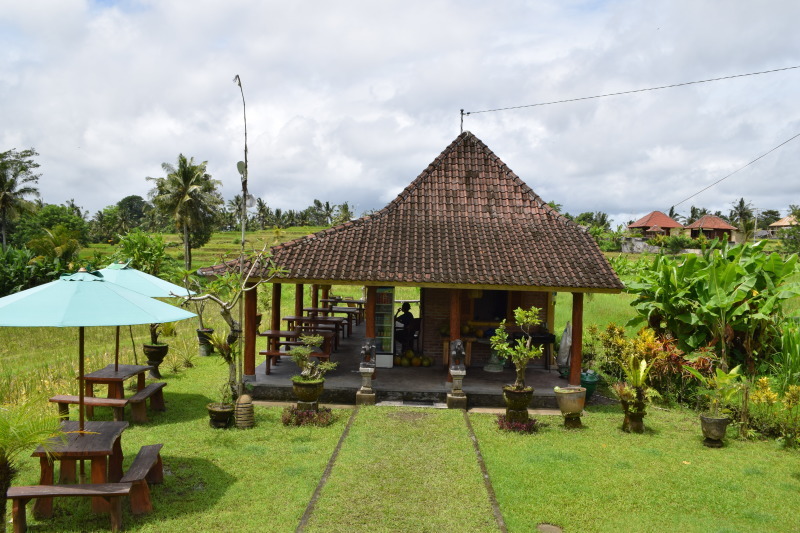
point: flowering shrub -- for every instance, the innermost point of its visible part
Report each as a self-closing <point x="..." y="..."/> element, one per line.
<point x="773" y="416"/>
<point x="529" y="426"/>
<point x="292" y="416"/>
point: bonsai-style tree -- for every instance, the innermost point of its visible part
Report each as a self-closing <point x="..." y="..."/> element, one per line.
<point x="521" y="351"/>
<point x="23" y="427"/>
<point x="310" y="371"/>
<point x="226" y="291"/>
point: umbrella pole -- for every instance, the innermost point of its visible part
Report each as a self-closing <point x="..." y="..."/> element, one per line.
<point x="80" y="378"/>
<point x="116" y="352"/>
<point x="133" y="344"/>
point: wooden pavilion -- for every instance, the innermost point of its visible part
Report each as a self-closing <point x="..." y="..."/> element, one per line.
<point x="656" y="223"/>
<point x="468" y="232"/>
<point x="712" y="227"/>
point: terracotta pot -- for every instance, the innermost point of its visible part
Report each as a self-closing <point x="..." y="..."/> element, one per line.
<point x="155" y="354"/>
<point x="714" y="428"/>
<point x="219" y="414"/>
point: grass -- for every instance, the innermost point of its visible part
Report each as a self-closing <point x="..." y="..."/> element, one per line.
<point x="403" y="469"/>
<point x="601" y="479"/>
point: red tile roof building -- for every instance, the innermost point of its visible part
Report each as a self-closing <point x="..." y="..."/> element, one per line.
<point x="466" y="222"/>
<point x="655" y="223"/>
<point x="712" y="227"/>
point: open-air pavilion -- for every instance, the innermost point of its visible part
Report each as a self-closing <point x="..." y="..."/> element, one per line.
<point x="475" y="239"/>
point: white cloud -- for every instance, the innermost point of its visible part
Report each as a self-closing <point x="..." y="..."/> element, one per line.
<point x="349" y="101"/>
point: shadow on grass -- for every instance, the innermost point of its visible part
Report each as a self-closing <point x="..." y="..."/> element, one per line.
<point x="191" y="485"/>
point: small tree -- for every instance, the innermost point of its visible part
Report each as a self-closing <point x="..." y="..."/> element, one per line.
<point x="23" y="427"/>
<point x="521" y="351"/>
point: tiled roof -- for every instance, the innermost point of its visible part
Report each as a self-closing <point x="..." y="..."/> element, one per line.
<point x="656" y="218"/>
<point x="467" y="219"/>
<point x="710" y="222"/>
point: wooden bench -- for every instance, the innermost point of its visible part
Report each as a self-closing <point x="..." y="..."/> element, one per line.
<point x="146" y="468"/>
<point x="112" y="492"/>
<point x="154" y="391"/>
<point x="64" y="401"/>
<point x="274" y="354"/>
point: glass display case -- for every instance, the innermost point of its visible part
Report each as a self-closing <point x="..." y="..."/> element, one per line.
<point x="384" y="327"/>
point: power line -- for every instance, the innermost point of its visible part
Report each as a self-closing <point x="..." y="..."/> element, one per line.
<point x="737" y="170"/>
<point x="463" y="113"/>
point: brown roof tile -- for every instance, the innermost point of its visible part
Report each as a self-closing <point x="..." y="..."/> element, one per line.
<point x="656" y="218"/>
<point x="467" y="219"/>
<point x="710" y="222"/>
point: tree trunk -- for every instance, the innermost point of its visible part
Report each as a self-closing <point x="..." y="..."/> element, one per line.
<point x="187" y="249"/>
<point x="7" y="473"/>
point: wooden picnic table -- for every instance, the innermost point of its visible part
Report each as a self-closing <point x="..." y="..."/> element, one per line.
<point x="99" y="443"/>
<point x="351" y="313"/>
<point x="317" y="324"/>
<point x="115" y="379"/>
<point x="278" y="338"/>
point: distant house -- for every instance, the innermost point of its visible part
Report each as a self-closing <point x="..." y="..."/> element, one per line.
<point x="712" y="227"/>
<point x="656" y="223"/>
<point x="783" y="223"/>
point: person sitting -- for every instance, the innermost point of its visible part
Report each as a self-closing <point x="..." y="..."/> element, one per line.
<point x="404" y="334"/>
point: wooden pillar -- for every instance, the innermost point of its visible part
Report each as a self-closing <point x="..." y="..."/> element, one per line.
<point x="250" y="310"/>
<point x="275" y="316"/>
<point x="455" y="314"/>
<point x="372" y="295"/>
<point x="315" y="295"/>
<point x="298" y="299"/>
<point x="326" y="291"/>
<point x="576" y="354"/>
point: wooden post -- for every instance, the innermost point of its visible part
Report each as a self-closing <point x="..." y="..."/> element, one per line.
<point x="315" y="295"/>
<point x="576" y="353"/>
<point x="369" y="327"/>
<point x="298" y="299"/>
<point x="455" y="314"/>
<point x="250" y="310"/>
<point x="275" y="317"/>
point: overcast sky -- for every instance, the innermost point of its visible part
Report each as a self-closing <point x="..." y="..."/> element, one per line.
<point x="351" y="100"/>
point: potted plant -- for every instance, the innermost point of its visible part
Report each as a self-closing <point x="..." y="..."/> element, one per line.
<point x="520" y="351"/>
<point x="571" y="401"/>
<point x="220" y="413"/>
<point x="633" y="393"/>
<point x="156" y="351"/>
<point x="719" y="389"/>
<point x="310" y="382"/>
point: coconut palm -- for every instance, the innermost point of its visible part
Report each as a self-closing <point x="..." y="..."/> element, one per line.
<point x="17" y="182"/>
<point x="23" y="427"/>
<point x="189" y="196"/>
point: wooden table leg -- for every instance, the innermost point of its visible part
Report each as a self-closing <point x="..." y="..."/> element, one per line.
<point x="68" y="471"/>
<point x="43" y="507"/>
<point x="115" y="463"/>
<point x="88" y="391"/>
<point x="140" y="381"/>
<point x="99" y="475"/>
<point x="116" y="390"/>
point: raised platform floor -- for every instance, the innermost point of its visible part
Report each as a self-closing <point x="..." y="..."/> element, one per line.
<point x="426" y="385"/>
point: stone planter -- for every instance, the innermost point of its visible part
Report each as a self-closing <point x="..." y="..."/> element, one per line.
<point x="308" y="393"/>
<point x="517" y="402"/>
<point x="219" y="414"/>
<point x="714" y="429"/>
<point x="155" y="354"/>
<point x="204" y="342"/>
<point x="571" y="401"/>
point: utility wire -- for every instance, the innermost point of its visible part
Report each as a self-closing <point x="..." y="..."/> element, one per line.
<point x="737" y="170"/>
<point x="463" y="113"/>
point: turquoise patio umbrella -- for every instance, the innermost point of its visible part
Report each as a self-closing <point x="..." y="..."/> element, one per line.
<point x="83" y="300"/>
<point x="142" y="282"/>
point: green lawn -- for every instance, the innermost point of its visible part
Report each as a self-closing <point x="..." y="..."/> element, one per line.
<point x="402" y="469"/>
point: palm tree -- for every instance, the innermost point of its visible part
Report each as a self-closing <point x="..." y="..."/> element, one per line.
<point x="741" y="213"/>
<point x="17" y="182"/>
<point x="343" y="214"/>
<point x="263" y="213"/>
<point x="188" y="195"/>
<point x="23" y="427"/>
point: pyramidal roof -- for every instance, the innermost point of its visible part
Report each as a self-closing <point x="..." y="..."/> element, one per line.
<point x="466" y="220"/>
<point x="710" y="222"/>
<point x="656" y="218"/>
